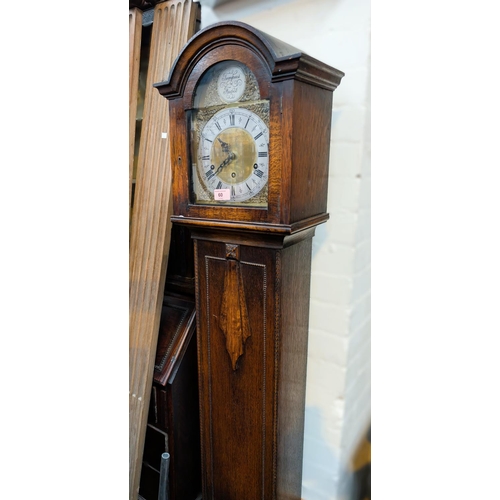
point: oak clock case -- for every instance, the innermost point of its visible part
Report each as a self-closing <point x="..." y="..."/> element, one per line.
<point x="246" y="113"/>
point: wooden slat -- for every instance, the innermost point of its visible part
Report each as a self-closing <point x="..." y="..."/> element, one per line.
<point x="135" y="31"/>
<point x="174" y="23"/>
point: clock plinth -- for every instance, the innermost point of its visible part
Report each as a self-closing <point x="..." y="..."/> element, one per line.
<point x="250" y="118"/>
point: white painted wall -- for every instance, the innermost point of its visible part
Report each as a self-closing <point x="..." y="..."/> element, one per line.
<point x="338" y="384"/>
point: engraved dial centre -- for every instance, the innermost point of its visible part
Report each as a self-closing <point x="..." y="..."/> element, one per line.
<point x="242" y="147"/>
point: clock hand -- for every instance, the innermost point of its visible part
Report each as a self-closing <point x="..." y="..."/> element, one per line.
<point x="224" y="145"/>
<point x="228" y="160"/>
<point x="226" y="148"/>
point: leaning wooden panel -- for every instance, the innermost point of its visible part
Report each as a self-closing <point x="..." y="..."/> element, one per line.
<point x="174" y="23"/>
<point x="134" y="47"/>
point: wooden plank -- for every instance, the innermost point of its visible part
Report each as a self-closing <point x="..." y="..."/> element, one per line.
<point x="175" y="21"/>
<point x="135" y="31"/>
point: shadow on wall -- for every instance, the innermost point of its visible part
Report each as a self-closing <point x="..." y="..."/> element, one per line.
<point x="320" y="238"/>
<point x="324" y="475"/>
<point x="321" y="465"/>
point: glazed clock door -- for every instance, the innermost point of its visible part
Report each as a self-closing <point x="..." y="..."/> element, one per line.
<point x="229" y="139"/>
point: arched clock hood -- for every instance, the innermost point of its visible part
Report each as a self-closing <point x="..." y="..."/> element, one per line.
<point x="284" y="60"/>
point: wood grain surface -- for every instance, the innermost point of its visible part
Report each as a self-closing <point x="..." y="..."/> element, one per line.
<point x="135" y="30"/>
<point x="174" y="23"/>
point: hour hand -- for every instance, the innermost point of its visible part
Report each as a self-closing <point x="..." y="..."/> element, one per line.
<point x="229" y="159"/>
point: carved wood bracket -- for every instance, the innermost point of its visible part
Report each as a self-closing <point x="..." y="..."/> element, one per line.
<point x="233" y="318"/>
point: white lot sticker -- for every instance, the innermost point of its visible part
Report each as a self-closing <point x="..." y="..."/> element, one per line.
<point x="222" y="194"/>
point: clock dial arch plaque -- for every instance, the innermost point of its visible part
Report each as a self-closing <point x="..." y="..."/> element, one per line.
<point x="231" y="82"/>
<point x="250" y="120"/>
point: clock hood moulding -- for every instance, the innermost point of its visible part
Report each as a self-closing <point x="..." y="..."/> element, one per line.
<point x="298" y="91"/>
<point x="284" y="61"/>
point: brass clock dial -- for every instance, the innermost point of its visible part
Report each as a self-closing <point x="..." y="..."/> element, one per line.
<point x="229" y="138"/>
<point x="233" y="157"/>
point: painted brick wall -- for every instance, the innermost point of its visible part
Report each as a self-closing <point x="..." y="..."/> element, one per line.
<point x="338" y="384"/>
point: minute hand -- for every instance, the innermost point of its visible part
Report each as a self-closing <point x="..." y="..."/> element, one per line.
<point x="229" y="159"/>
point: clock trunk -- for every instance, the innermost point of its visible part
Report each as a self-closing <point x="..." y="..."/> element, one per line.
<point x="252" y="298"/>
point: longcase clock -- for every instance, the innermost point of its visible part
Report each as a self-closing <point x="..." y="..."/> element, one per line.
<point x="250" y="120"/>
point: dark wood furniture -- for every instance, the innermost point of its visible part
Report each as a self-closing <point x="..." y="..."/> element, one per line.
<point x="253" y="257"/>
<point x="173" y="419"/>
